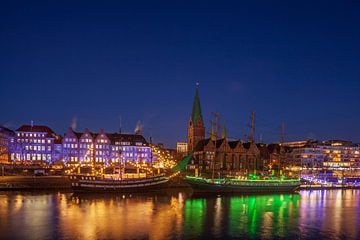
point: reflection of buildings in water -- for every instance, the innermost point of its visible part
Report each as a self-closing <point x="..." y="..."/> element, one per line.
<point x="326" y="214"/>
<point x="120" y="218"/>
<point x="24" y="215"/>
<point x="218" y="216"/>
<point x="327" y="210"/>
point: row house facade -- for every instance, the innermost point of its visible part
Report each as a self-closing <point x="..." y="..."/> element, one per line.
<point x="102" y="148"/>
<point x="35" y="144"/>
<point x="6" y="144"/>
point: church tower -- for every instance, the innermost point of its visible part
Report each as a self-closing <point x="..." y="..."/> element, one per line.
<point x="196" y="128"/>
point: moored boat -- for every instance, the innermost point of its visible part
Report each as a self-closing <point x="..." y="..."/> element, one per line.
<point x="234" y="185"/>
<point x="83" y="183"/>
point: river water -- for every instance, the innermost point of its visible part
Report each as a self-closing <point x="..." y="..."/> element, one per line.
<point x="327" y="214"/>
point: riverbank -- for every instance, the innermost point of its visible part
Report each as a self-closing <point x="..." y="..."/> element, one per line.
<point x="29" y="183"/>
<point x="33" y="183"/>
<point x="328" y="187"/>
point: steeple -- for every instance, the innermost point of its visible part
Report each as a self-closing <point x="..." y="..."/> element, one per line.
<point x="196" y="129"/>
<point x="196" y="109"/>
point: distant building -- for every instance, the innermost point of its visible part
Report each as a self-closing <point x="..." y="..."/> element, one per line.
<point x="34" y="144"/>
<point x="333" y="154"/>
<point x="6" y="144"/>
<point x="182" y="148"/>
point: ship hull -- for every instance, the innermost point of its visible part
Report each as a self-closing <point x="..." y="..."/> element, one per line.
<point x="81" y="184"/>
<point x="204" y="187"/>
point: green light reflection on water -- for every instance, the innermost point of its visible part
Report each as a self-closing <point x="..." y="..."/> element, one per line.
<point x="195" y="210"/>
<point x="263" y="216"/>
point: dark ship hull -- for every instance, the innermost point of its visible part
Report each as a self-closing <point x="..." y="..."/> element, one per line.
<point x="94" y="184"/>
<point x="200" y="185"/>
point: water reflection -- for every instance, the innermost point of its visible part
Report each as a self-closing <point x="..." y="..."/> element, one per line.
<point x="310" y="214"/>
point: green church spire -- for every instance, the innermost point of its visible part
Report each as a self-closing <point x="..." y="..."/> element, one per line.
<point x="196" y="110"/>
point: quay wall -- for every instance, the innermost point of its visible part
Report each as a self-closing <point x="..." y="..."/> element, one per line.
<point x="34" y="183"/>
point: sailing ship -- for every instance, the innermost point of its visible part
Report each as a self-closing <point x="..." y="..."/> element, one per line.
<point x="248" y="184"/>
<point x="235" y="185"/>
<point x="80" y="183"/>
<point x="119" y="184"/>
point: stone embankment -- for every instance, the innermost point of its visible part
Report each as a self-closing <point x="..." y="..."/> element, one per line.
<point x="34" y="183"/>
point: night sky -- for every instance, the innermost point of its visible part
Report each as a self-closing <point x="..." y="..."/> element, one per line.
<point x="296" y="62"/>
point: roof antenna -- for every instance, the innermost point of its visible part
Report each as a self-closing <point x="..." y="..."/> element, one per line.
<point x="197" y="84"/>
<point x="32" y="123"/>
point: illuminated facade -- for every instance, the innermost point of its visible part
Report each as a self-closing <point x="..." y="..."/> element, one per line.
<point x="34" y="144"/>
<point x="181" y="147"/>
<point x="86" y="147"/>
<point x="104" y="149"/>
<point x="70" y="146"/>
<point x="327" y="154"/>
<point x="6" y="144"/>
<point x="133" y="148"/>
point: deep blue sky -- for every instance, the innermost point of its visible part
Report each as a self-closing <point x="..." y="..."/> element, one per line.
<point x="291" y="61"/>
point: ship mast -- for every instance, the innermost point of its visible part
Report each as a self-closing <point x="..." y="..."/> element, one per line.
<point x="120" y="165"/>
<point x="282" y="150"/>
<point x="216" y="137"/>
<point x="151" y="157"/>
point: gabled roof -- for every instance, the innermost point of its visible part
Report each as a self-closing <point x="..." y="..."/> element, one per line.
<point x="264" y="151"/>
<point x="132" y="138"/>
<point x="233" y="144"/>
<point x="219" y="142"/>
<point x="196" y="109"/>
<point x="273" y="148"/>
<point x="116" y="137"/>
<point x="6" y="131"/>
<point x="247" y="145"/>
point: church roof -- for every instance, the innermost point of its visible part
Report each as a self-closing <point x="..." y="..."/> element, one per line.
<point x="201" y="144"/>
<point x="196" y="109"/>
